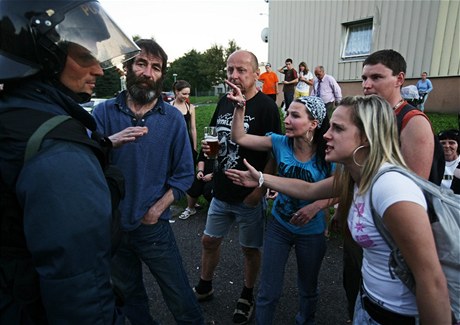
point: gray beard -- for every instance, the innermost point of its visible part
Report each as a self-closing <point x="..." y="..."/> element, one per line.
<point x="140" y="95"/>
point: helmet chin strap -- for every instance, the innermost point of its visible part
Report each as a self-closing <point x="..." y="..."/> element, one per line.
<point x="78" y="97"/>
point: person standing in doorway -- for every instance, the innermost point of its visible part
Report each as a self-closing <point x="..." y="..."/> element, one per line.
<point x="290" y="80"/>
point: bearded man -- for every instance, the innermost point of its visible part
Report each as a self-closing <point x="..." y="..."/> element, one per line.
<point x="154" y="153"/>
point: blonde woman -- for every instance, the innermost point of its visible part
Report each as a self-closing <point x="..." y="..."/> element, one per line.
<point x="361" y="149"/>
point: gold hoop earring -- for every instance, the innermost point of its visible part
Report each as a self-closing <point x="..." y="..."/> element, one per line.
<point x="354" y="154"/>
<point x="311" y="138"/>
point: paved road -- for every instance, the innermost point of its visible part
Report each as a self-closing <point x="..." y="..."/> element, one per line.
<point x="228" y="281"/>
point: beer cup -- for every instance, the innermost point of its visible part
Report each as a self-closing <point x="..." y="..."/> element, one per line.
<point x="210" y="136"/>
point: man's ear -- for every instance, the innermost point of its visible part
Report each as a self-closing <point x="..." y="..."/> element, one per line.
<point x="400" y="78"/>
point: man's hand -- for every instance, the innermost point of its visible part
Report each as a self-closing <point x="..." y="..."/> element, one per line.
<point x="130" y="134"/>
<point x="152" y="216"/>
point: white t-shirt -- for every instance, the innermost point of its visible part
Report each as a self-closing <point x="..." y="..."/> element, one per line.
<point x="308" y="76"/>
<point x="449" y="172"/>
<point x="390" y="188"/>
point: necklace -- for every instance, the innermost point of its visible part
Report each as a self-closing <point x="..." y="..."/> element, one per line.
<point x="398" y="104"/>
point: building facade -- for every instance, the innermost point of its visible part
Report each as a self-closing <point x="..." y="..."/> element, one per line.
<point x="339" y="34"/>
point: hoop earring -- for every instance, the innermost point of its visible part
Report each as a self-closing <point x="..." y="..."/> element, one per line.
<point x="354" y="154"/>
<point x="311" y="138"/>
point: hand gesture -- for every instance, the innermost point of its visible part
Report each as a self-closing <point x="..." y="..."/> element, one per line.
<point x="235" y="93"/>
<point x="304" y="215"/>
<point x="271" y="194"/>
<point x="248" y="178"/>
<point x="130" y="134"/>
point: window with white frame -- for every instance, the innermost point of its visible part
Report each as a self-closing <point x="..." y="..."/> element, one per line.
<point x="358" y="39"/>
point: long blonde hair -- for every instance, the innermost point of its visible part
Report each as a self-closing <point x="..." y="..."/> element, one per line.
<point x="376" y="120"/>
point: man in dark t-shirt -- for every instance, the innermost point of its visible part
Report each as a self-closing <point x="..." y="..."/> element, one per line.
<point x="290" y="81"/>
<point x="233" y="203"/>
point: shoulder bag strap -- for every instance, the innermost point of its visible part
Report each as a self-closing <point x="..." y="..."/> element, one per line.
<point x="34" y="142"/>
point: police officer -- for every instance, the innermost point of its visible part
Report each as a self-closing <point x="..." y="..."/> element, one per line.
<point x="55" y="209"/>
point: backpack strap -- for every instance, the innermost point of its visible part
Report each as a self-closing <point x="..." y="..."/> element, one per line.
<point x="35" y="140"/>
<point x="378" y="220"/>
<point x="397" y="266"/>
<point x="405" y="114"/>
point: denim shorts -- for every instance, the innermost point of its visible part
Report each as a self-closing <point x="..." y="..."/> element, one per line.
<point x="250" y="220"/>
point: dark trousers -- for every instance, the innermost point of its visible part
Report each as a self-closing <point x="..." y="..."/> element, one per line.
<point x="352" y="262"/>
<point x="330" y="108"/>
<point x="288" y="98"/>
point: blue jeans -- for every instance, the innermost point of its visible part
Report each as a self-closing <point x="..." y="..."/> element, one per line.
<point x="250" y="220"/>
<point x="421" y="106"/>
<point x="154" y="245"/>
<point x="309" y="250"/>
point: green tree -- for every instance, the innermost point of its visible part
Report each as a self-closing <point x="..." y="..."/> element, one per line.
<point x="232" y="47"/>
<point x="213" y="65"/>
<point x="187" y="67"/>
<point x="108" y="85"/>
<point x="201" y="70"/>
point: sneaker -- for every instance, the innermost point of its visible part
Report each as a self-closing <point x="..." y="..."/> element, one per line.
<point x="204" y="296"/>
<point x="187" y="213"/>
<point x="243" y="311"/>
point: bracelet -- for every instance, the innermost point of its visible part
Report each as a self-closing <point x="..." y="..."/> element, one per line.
<point x="200" y="171"/>
<point x="261" y="179"/>
<point x="241" y="104"/>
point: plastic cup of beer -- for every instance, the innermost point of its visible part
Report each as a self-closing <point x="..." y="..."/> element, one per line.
<point x="210" y="136"/>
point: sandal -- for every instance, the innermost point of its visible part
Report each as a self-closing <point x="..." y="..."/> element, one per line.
<point x="243" y="311"/>
<point x="187" y="213"/>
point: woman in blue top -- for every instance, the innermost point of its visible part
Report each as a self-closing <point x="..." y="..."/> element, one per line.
<point x="296" y="223"/>
<point x="424" y="87"/>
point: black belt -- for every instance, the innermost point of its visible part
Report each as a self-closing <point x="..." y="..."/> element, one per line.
<point x="384" y="316"/>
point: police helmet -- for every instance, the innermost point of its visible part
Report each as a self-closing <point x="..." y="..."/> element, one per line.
<point x="35" y="36"/>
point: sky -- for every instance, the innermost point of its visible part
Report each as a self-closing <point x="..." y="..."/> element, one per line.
<point x="180" y="26"/>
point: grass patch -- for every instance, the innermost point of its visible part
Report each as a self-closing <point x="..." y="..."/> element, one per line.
<point x="443" y="122"/>
<point x="204" y="100"/>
